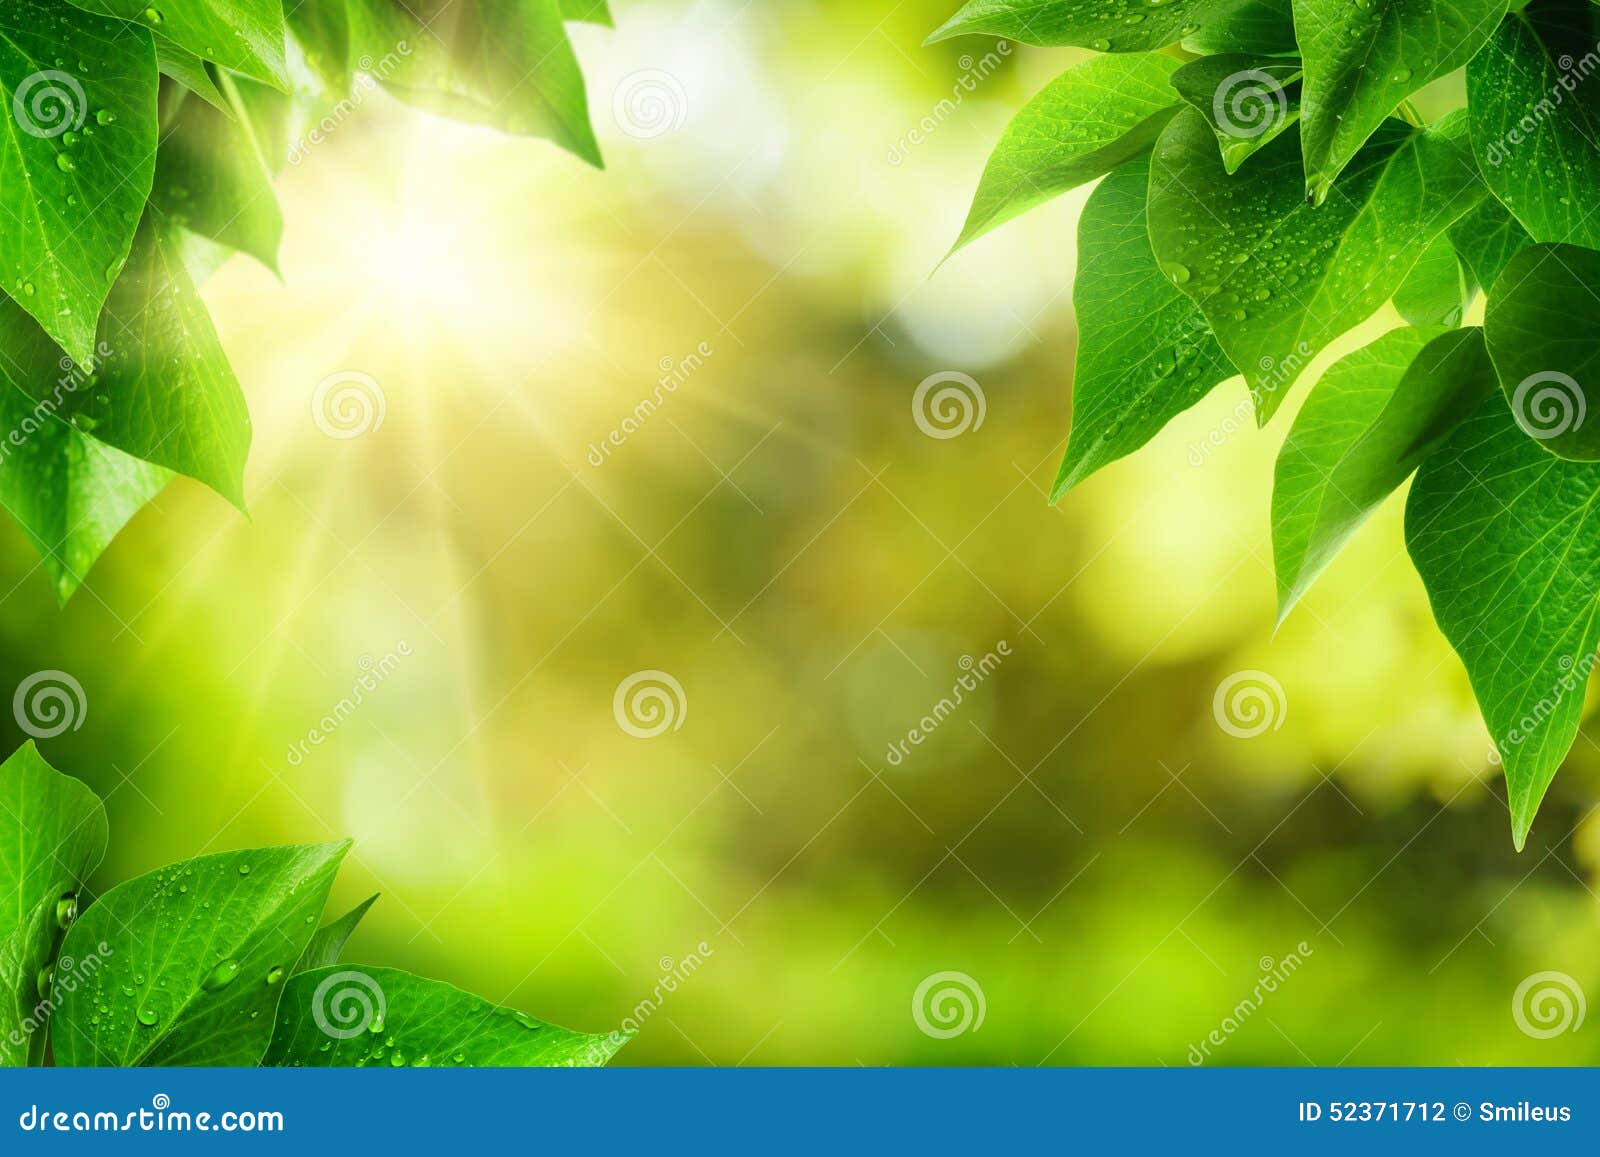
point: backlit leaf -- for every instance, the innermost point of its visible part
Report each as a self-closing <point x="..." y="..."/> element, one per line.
<point x="505" y="63"/>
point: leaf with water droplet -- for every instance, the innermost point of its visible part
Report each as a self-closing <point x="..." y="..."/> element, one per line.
<point x="1326" y="268"/>
<point x="329" y="940"/>
<point x="163" y="389"/>
<point x="1145" y="351"/>
<point x="1247" y="100"/>
<point x="1103" y="25"/>
<point x="195" y="959"/>
<point x="1083" y="124"/>
<point x="421" y="1019"/>
<point x="1532" y="111"/>
<point x="59" y="837"/>
<point x="212" y="173"/>
<point x="109" y="173"/>
<point x="1362" y="60"/>
<point x="245" y="36"/>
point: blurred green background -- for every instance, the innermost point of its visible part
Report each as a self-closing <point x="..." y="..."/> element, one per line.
<point x="1079" y="839"/>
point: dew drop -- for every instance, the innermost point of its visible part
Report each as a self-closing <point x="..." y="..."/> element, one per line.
<point x="221" y="976"/>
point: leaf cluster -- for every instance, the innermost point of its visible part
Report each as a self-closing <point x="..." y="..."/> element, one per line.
<point x="217" y="960"/>
<point x="138" y="146"/>
<point x="1266" y="186"/>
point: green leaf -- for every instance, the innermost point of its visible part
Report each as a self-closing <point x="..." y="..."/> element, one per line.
<point x="199" y="954"/>
<point x="1543" y="326"/>
<point x="190" y="71"/>
<point x="504" y="63"/>
<point x="330" y="939"/>
<point x="1536" y="121"/>
<point x="342" y="1017"/>
<point x="243" y="35"/>
<point x="77" y="154"/>
<point x="1371" y="420"/>
<point x="1256" y="27"/>
<point x="1247" y="100"/>
<point x="1486" y="239"/>
<point x="1082" y="125"/>
<point x="212" y="178"/>
<point x="1437" y="291"/>
<point x="1103" y="25"/>
<point x="588" y="12"/>
<point x="1362" y="59"/>
<point x="70" y="493"/>
<point x="1280" y="279"/>
<point x="322" y="31"/>
<point x="271" y="118"/>
<point x="163" y="390"/>
<point x="1507" y="541"/>
<point x="1145" y="351"/>
<point x="59" y="835"/>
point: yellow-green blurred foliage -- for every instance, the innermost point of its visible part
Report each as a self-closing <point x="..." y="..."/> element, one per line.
<point x="1080" y="837"/>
